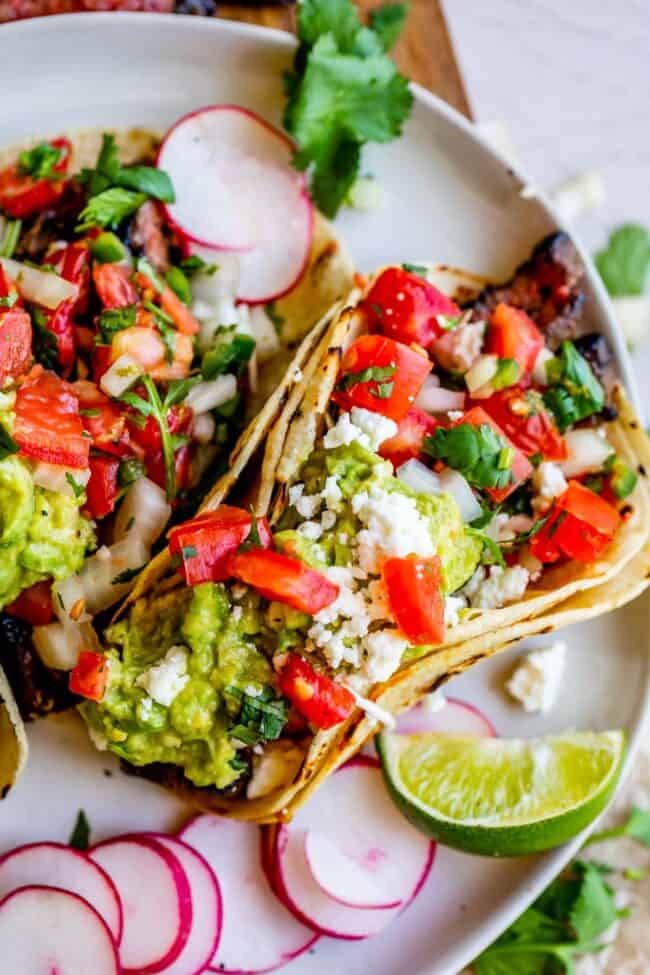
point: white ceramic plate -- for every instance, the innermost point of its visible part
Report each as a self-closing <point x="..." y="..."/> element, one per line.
<point x="446" y="197"/>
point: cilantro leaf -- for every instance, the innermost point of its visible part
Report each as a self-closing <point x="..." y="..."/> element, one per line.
<point x="574" y="393"/>
<point x="230" y="351"/>
<point x="40" y="161"/>
<point x="481" y="455"/>
<point x="372" y="374"/>
<point x="637" y="827"/>
<point x="623" y="264"/>
<point x="8" y="445"/>
<point x="80" y="836"/>
<point x="193" y="263"/>
<point x="110" y="208"/>
<point x="147" y="179"/>
<point x="8" y="301"/>
<point x="109" y="172"/>
<point x="387" y="22"/>
<point x="418" y="269"/>
<point x="129" y="471"/>
<point x="593" y="910"/>
<point x="77" y="489"/>
<point x="114" y="320"/>
<point x="318" y="17"/>
<point x="106" y="168"/>
<point x="260" y="718"/>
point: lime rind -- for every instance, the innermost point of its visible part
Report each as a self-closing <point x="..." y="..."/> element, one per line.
<point x="502" y="798"/>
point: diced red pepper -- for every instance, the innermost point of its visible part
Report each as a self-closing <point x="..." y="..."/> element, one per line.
<point x="205" y="543"/>
<point x="90" y="675"/>
<point x="580" y="526"/>
<point x="521" y="468"/>
<point x="21" y="196"/>
<point x="513" y="335"/>
<point x="415" y="597"/>
<point x="402" y="371"/>
<point x="407" y="442"/>
<point x="73" y="264"/>
<point x="34" y="605"/>
<point x="406" y="307"/>
<point x="322" y="701"/>
<point x="102" y="489"/>
<point x="47" y="422"/>
<point x="526" y="422"/>
<point x="286" y="580"/>
<point x="15" y="343"/>
<point x="114" y="285"/>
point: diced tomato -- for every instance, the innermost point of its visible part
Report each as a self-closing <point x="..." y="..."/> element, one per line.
<point x="580" y="526"/>
<point x="101" y="361"/>
<point x="114" y="285"/>
<point x="102" y="419"/>
<point x="47" y="425"/>
<point x="322" y="701"/>
<point x="402" y="370"/>
<point x="155" y="467"/>
<point x="408" y="441"/>
<point x="183" y="318"/>
<point x="406" y="307"/>
<point x="34" y="605"/>
<point x="415" y="597"/>
<point x="279" y="577"/>
<point x="179" y="421"/>
<point x="205" y="543"/>
<point x="90" y="675"/>
<point x="521" y="468"/>
<point x="73" y="263"/>
<point x="84" y="339"/>
<point x="102" y="489"/>
<point x="15" y="343"/>
<point x="513" y="335"/>
<point x="60" y="323"/>
<point x="524" y="419"/>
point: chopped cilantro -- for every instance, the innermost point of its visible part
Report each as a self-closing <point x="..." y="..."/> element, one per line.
<point x="260" y="718"/>
<point x="110" y="208"/>
<point x="40" y="161"/>
<point x="387" y="22"/>
<point x="91" y="411"/>
<point x="8" y="445"/>
<point x="189" y="551"/>
<point x="130" y="470"/>
<point x="623" y="264"/>
<point x="637" y="827"/>
<point x="10" y="238"/>
<point x="449" y="322"/>
<point x="419" y="269"/>
<point x="109" y="173"/>
<point x="574" y="393"/>
<point x="77" y="489"/>
<point x="381" y="375"/>
<point x="149" y="180"/>
<point x="478" y="452"/>
<point x="194" y="263"/>
<point x="230" y="351"/>
<point x="80" y="836"/>
<point x="8" y="301"/>
<point x="114" y="320"/>
<point x="343" y="91"/>
<point x="143" y="266"/>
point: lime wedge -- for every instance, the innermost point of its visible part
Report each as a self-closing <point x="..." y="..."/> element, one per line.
<point x="498" y="797"/>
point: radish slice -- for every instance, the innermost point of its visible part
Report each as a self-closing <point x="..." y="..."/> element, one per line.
<point x="46" y="931"/>
<point x="455" y="718"/>
<point x="354" y="811"/>
<point x="340" y="877"/>
<point x="56" y="865"/>
<point x="259" y="934"/>
<point x="207" y="912"/>
<point x="156" y="899"/>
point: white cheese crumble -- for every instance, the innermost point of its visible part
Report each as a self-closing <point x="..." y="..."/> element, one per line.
<point x="385" y="649"/>
<point x="548" y="482"/>
<point x="311" y="530"/>
<point x="536" y="680"/>
<point x="166" y="679"/>
<point x="331" y="493"/>
<point x="343" y="433"/>
<point x="375" y="426"/>
<point x="453" y="606"/>
<point x="496" y="588"/>
<point x="373" y="710"/>
<point x="305" y="504"/>
<point x="393" y="526"/>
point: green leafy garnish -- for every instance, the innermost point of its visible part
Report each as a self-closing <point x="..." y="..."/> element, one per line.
<point x="507" y="374"/>
<point x="194" y="263"/>
<point x="10" y="238"/>
<point x="44" y="343"/>
<point x="130" y="471"/>
<point x="381" y="375"/>
<point x="623" y="264"/>
<point x="107" y="248"/>
<point x="418" y="269"/>
<point x="8" y="445"/>
<point x="77" y="489"/>
<point x="147" y="179"/>
<point x="179" y="284"/>
<point x="8" y="301"/>
<point x="110" y="208"/>
<point x="40" y="161"/>
<point x="261" y="717"/>
<point x="637" y="827"/>
<point x="114" y="320"/>
<point x="481" y="455"/>
<point x="253" y="539"/>
<point x="344" y="90"/>
<point x="108" y="172"/>
<point x="80" y="836"/>
<point x="126" y="576"/>
<point x="574" y="393"/>
<point x="230" y="352"/>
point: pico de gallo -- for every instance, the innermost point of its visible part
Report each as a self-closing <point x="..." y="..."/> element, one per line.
<point x="466" y="453"/>
<point x="125" y="364"/>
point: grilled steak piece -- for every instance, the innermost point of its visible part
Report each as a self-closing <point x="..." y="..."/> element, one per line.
<point x="546" y="287"/>
<point x="146" y="236"/>
<point x="37" y="689"/>
<point x="171" y="777"/>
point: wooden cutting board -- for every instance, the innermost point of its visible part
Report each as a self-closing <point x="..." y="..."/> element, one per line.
<point x="424" y="52"/>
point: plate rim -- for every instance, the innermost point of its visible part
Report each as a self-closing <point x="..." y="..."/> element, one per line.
<point x="546" y="870"/>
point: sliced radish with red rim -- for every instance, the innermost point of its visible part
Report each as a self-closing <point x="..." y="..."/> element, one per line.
<point x="453" y="718"/>
<point x="342" y="878"/>
<point x="259" y="934"/>
<point x="56" y="865"/>
<point x="355" y="814"/>
<point x="46" y="931"/>
<point x="156" y="901"/>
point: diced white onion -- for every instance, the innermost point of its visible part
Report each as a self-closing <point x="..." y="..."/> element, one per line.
<point x="579" y="195"/>
<point x="68" y="597"/>
<point x="419" y="478"/>
<point x="588" y="451"/>
<point x="59" y="645"/>
<point x="222" y="314"/>
<point x="208" y="395"/>
<point x="539" y="369"/>
<point x="633" y="315"/>
<point x="434" y="399"/>
<point x="55" y="477"/>
<point x="102" y="568"/>
<point x="143" y="514"/>
<point x="222" y="283"/>
<point x="120" y="376"/>
<point x="481" y="373"/>
<point x="42" y="287"/>
<point x="267" y="342"/>
<point x="203" y="428"/>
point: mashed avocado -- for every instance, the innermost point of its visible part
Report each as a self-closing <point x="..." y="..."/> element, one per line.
<point x="42" y="534"/>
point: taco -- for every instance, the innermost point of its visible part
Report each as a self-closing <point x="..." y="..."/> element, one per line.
<point x="405" y="522"/>
<point x="13" y="740"/>
<point x="128" y="371"/>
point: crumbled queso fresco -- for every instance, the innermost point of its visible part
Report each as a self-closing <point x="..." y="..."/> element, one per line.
<point x="165" y="680"/>
<point x="537" y="679"/>
<point x="496" y="586"/>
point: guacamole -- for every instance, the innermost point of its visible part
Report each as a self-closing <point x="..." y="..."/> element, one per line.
<point x="42" y="533"/>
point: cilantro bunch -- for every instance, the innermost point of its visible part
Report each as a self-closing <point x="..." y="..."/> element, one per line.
<point x="481" y="455"/>
<point x="260" y="718"/>
<point x="623" y="264"/>
<point x="574" y="393"/>
<point x="343" y="91"/>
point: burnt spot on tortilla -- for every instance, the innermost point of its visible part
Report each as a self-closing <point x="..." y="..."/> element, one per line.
<point x="633" y="425"/>
<point x="5" y="792"/>
<point x="626" y="511"/>
<point x="642" y="471"/>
